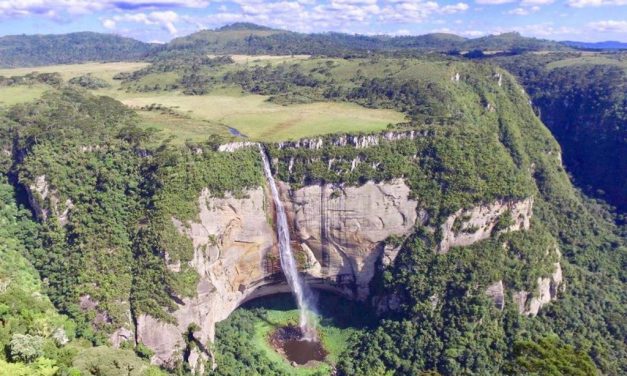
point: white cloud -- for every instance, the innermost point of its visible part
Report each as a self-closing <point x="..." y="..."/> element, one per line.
<point x="165" y="20"/>
<point x="594" y="3"/>
<point x="536" y="2"/>
<point x="542" y="30"/>
<point x="108" y="24"/>
<point x="401" y="32"/>
<point x="473" y="33"/>
<point x="493" y="2"/>
<point x="338" y="15"/>
<point x="48" y="8"/>
<point x="409" y="11"/>
<point x="455" y="8"/>
<point x="520" y="11"/>
<point x="609" y="26"/>
<point x="465" y="33"/>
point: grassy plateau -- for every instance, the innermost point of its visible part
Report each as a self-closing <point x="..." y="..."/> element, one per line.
<point x="196" y="117"/>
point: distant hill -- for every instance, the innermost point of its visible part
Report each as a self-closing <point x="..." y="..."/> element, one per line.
<point x="512" y="42"/>
<point x="246" y="38"/>
<point x="607" y="45"/>
<point x="36" y="50"/>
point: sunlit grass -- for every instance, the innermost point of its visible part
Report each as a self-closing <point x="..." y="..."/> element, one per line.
<point x="260" y="120"/>
<point x="252" y="115"/>
<point x="19" y="94"/>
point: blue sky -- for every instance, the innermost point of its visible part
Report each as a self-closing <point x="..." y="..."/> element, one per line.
<point x="162" y="20"/>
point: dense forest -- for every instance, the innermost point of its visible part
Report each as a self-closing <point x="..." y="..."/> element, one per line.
<point x="584" y="104"/>
<point x="35" y="50"/>
<point x="244" y="38"/>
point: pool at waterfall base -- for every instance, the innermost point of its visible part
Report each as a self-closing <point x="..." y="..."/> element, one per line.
<point x="289" y="342"/>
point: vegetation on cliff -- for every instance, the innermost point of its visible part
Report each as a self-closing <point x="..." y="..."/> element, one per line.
<point x="583" y="101"/>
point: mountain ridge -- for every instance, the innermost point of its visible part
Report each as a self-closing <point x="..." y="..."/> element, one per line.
<point x="243" y="38"/>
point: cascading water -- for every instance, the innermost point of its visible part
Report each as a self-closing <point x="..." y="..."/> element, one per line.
<point x="300" y="290"/>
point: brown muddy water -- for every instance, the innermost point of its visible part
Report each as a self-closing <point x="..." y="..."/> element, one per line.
<point x="288" y="341"/>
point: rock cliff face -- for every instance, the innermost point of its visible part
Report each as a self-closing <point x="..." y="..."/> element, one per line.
<point x="357" y="141"/>
<point x="529" y="304"/>
<point x="230" y="240"/>
<point x="547" y="289"/>
<point x="338" y="237"/>
<point x="341" y="230"/>
<point x="337" y="233"/>
<point x="39" y="192"/>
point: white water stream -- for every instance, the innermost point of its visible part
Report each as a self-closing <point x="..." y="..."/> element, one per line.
<point x="304" y="297"/>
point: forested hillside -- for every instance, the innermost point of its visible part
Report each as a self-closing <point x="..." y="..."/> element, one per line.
<point x="244" y="38"/>
<point x="583" y="101"/>
<point x="35" y="50"/>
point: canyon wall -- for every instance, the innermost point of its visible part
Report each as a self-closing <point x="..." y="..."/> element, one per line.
<point x="337" y="237"/>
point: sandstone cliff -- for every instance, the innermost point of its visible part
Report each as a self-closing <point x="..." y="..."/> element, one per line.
<point x="39" y="192"/>
<point x="338" y="238"/>
<point x="230" y="241"/>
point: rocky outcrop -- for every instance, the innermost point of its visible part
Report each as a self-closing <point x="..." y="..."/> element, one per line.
<point x="547" y="289"/>
<point x="496" y="292"/>
<point x="231" y="239"/>
<point x="39" y="192"/>
<point x="121" y="335"/>
<point x="466" y="227"/>
<point x="233" y="146"/>
<point x="339" y="236"/>
<point x="357" y="141"/>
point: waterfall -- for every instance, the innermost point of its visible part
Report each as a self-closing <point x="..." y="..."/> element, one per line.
<point x="304" y="297"/>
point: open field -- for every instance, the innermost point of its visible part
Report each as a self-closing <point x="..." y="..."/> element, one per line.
<point x="180" y="128"/>
<point x="263" y="59"/>
<point x="589" y="60"/>
<point x="252" y="115"/>
<point x="101" y="70"/>
<point x="336" y="324"/>
<point x="260" y="120"/>
<point x="20" y="94"/>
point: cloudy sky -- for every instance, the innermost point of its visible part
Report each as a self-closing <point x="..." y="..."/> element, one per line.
<point x="162" y="20"/>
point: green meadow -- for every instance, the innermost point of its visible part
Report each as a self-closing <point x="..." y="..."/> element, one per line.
<point x="203" y="115"/>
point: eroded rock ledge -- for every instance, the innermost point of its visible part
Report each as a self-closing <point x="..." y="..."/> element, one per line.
<point x="466" y="227"/>
<point x="341" y="229"/>
<point x="39" y="192"/>
<point x="357" y="141"/>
